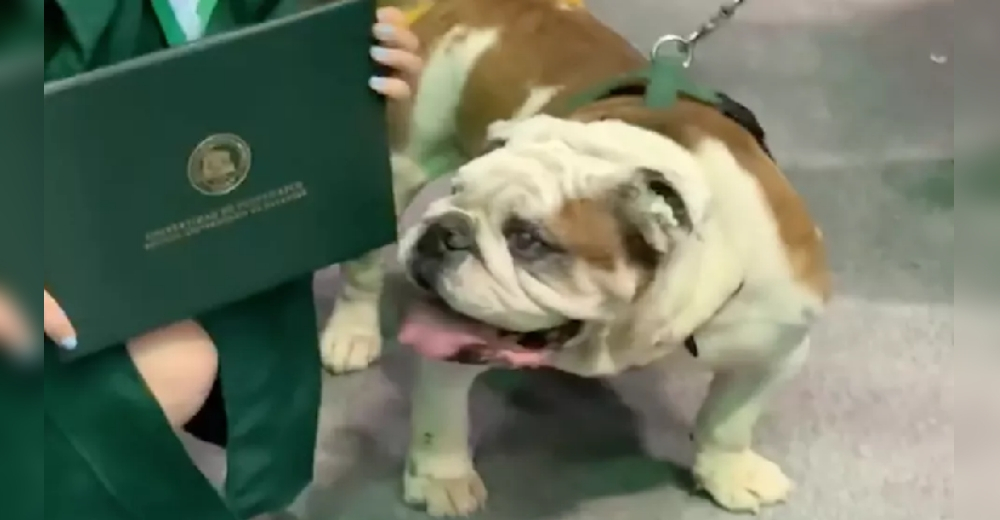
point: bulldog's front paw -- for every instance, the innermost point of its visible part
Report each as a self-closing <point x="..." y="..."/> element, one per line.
<point x="351" y="340"/>
<point x="446" y="488"/>
<point x="741" y="482"/>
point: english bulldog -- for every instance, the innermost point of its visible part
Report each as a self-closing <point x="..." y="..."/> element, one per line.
<point x="591" y="241"/>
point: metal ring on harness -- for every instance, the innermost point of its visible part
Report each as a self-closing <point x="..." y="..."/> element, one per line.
<point x="682" y="45"/>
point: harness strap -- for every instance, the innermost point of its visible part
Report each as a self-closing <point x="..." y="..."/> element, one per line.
<point x="639" y="84"/>
<point x="662" y="82"/>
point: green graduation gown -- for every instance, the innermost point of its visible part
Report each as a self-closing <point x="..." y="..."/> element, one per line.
<point x="87" y="441"/>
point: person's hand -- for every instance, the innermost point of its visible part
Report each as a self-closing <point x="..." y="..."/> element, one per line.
<point x="57" y="325"/>
<point x="398" y="47"/>
<point x="15" y="330"/>
<point x="15" y="333"/>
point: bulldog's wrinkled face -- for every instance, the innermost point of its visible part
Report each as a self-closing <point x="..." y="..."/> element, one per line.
<point x="505" y="257"/>
<point x="560" y="222"/>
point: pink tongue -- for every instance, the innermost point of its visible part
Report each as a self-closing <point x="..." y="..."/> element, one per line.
<point x="439" y="335"/>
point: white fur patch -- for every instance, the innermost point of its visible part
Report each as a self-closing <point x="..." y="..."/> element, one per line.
<point x="442" y="84"/>
<point x="537" y="98"/>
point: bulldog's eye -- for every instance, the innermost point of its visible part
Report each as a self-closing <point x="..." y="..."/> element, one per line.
<point x="525" y="242"/>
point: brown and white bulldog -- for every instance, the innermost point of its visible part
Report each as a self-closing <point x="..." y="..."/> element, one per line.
<point x="593" y="242"/>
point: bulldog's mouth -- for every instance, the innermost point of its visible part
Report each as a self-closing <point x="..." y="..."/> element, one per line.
<point x="436" y="331"/>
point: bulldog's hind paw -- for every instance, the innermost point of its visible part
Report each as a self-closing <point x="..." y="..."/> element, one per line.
<point x="457" y="495"/>
<point x="741" y="482"/>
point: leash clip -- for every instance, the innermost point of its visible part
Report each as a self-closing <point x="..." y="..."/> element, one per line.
<point x="683" y="47"/>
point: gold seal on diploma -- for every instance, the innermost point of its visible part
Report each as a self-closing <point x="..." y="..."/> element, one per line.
<point x="219" y="164"/>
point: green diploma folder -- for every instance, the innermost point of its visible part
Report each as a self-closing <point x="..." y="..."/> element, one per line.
<point x="194" y="177"/>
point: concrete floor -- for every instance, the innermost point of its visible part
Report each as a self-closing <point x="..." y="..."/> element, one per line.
<point x="858" y="100"/>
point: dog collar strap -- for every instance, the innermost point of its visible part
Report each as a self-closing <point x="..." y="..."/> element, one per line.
<point x="632" y="83"/>
<point x="183" y="21"/>
<point x="661" y="84"/>
<point x="667" y="80"/>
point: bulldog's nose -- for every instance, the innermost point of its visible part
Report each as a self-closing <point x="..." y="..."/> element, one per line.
<point x="446" y="235"/>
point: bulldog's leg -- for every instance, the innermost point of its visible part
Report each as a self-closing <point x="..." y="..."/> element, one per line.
<point x="439" y="471"/>
<point x="725" y="465"/>
<point x="352" y="339"/>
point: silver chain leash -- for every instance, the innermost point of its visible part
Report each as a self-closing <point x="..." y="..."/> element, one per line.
<point x="685" y="45"/>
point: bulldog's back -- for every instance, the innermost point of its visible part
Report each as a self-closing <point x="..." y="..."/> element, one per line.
<point x="489" y="60"/>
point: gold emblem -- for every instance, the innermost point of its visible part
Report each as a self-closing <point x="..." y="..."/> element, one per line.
<point x="219" y="164"/>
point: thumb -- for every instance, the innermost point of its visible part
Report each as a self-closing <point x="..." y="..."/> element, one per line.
<point x="57" y="325"/>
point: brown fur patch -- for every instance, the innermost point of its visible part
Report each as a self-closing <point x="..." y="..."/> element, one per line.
<point x="588" y="230"/>
<point x="591" y="231"/>
<point x="504" y="76"/>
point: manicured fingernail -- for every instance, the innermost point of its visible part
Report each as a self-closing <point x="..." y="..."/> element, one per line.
<point x="384" y="31"/>
<point x="68" y="343"/>
<point x="380" y="54"/>
<point x="377" y="83"/>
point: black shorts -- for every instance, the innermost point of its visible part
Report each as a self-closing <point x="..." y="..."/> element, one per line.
<point x="210" y="424"/>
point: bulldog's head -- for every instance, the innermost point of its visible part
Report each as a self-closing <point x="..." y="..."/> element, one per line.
<point x="560" y="226"/>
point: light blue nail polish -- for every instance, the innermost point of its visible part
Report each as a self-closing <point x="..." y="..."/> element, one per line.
<point x="377" y="83"/>
<point x="384" y="31"/>
<point x="380" y="54"/>
<point x="68" y="343"/>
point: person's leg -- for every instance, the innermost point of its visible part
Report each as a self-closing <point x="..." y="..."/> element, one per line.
<point x="179" y="365"/>
<point x="111" y="424"/>
<point x="139" y="396"/>
<point x="154" y="355"/>
<point x="116" y="414"/>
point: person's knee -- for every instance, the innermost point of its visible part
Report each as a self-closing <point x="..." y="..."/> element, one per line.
<point x="179" y="364"/>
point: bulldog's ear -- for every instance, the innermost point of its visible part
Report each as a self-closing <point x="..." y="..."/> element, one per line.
<point x="653" y="205"/>
<point x="696" y="269"/>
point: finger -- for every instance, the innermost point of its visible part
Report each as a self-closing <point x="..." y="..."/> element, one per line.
<point x="403" y="61"/>
<point x="15" y="332"/>
<point x="394" y="88"/>
<point x="57" y="325"/>
<point x="391" y="15"/>
<point x="396" y="35"/>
